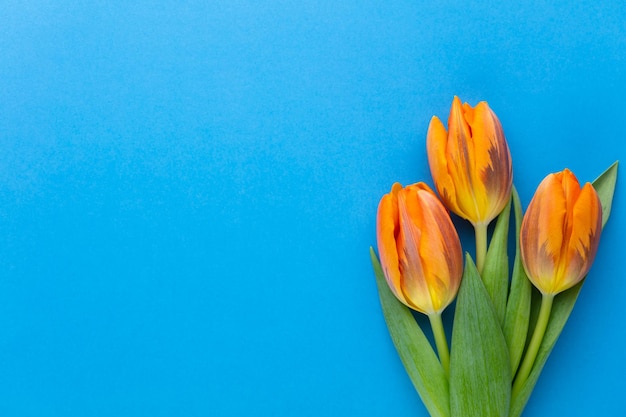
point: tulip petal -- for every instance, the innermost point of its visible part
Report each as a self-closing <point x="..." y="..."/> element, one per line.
<point x="584" y="239"/>
<point x="460" y="154"/>
<point x="387" y="226"/>
<point x="492" y="170"/>
<point x="436" y="145"/>
<point x="441" y="246"/>
<point x="542" y="233"/>
<point x="415" y="287"/>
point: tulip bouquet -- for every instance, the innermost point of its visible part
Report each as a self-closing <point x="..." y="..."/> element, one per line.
<point x="503" y="329"/>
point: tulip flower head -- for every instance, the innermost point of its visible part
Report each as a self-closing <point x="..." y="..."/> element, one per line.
<point x="471" y="162"/>
<point x="560" y="232"/>
<point x="419" y="248"/>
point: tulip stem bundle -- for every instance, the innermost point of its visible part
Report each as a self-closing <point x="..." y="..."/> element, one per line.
<point x="490" y="367"/>
<point x="440" y="340"/>
<point x="535" y="343"/>
<point x="481" y="245"/>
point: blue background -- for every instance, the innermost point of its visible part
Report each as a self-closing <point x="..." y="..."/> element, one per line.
<point x="188" y="192"/>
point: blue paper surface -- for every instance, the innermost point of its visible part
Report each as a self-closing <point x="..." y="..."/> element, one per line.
<point x="188" y="193"/>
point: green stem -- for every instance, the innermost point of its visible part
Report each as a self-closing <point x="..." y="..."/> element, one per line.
<point x="535" y="342"/>
<point x="481" y="245"/>
<point x="440" y="340"/>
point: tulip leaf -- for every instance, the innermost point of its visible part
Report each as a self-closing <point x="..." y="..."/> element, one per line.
<point x="605" y="186"/>
<point x="564" y="302"/>
<point x="518" y="305"/>
<point x="416" y="352"/>
<point x="495" y="273"/>
<point x="480" y="373"/>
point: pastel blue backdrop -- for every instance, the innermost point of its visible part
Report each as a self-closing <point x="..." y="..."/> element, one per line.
<point x="188" y="193"/>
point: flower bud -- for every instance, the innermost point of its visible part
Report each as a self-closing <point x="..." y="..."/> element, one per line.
<point x="471" y="162"/>
<point x="560" y="232"/>
<point x="419" y="248"/>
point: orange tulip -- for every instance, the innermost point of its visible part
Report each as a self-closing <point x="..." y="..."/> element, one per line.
<point x="471" y="162"/>
<point x="560" y="232"/>
<point x="558" y="242"/>
<point x="420" y="251"/>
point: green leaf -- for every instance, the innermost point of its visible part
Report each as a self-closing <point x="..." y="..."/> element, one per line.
<point x="480" y="373"/>
<point x="416" y="353"/>
<point x="518" y="306"/>
<point x="605" y="187"/>
<point x="496" y="269"/>
<point x="564" y="302"/>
